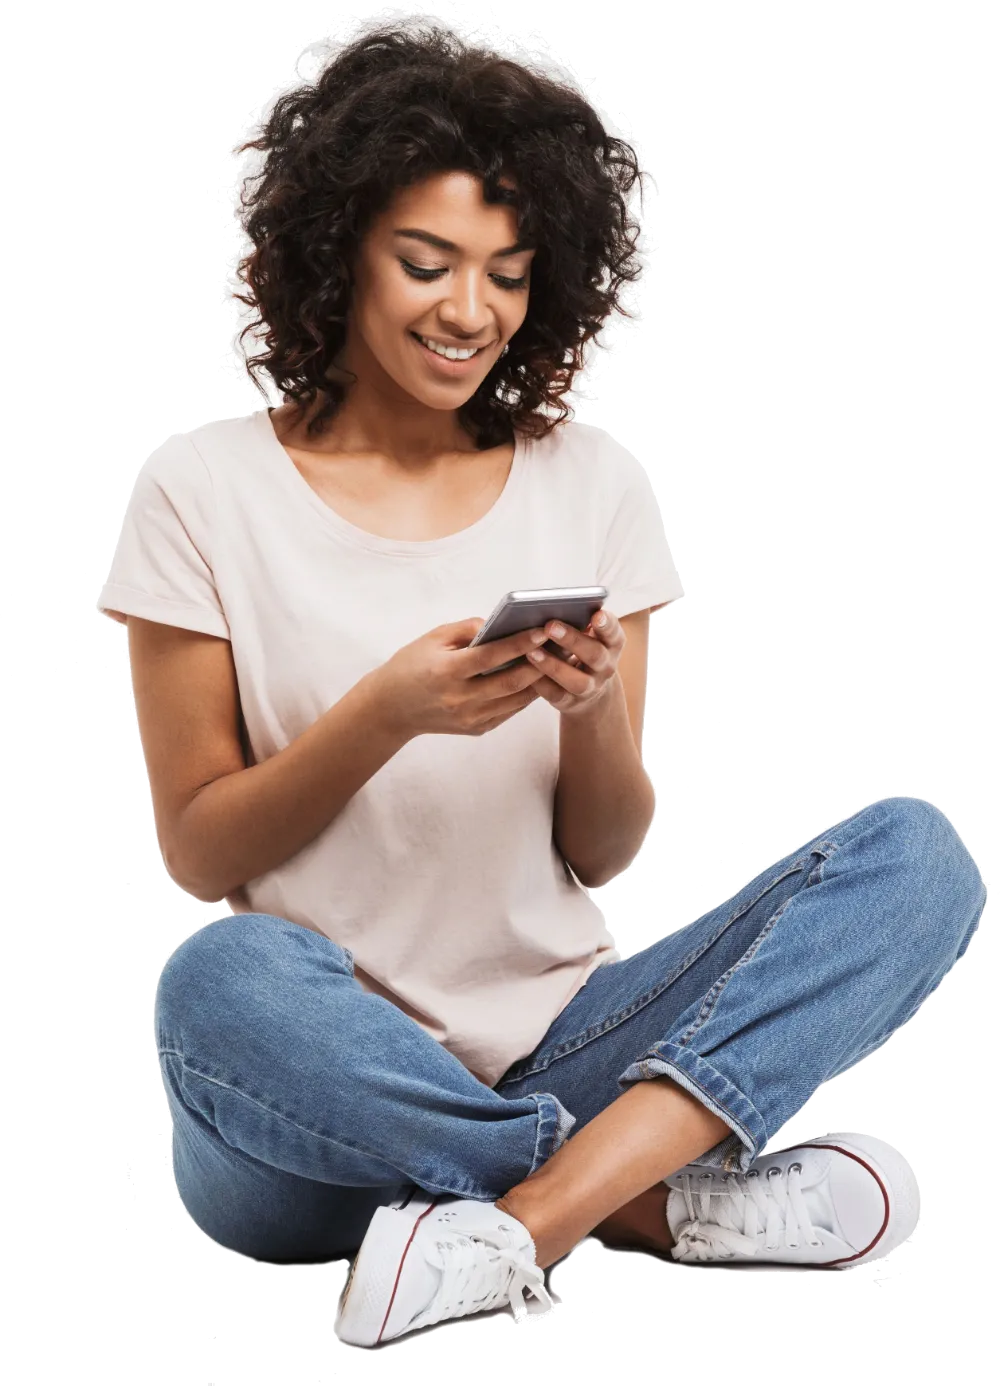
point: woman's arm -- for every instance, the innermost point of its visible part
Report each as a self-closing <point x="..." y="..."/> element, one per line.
<point x="219" y="823"/>
<point x="604" y="800"/>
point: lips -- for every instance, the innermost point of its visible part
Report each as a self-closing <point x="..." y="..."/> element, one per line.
<point x="443" y="364"/>
<point x="424" y="340"/>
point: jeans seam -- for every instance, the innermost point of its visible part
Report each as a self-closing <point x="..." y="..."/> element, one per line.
<point x="595" y="1031"/>
<point x="231" y="1087"/>
<point x="543" y="1136"/>
<point x="712" y="1000"/>
<point x="719" y="986"/>
<point x="621" y="1016"/>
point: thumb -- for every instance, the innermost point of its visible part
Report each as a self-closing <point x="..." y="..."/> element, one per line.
<point x="458" y="634"/>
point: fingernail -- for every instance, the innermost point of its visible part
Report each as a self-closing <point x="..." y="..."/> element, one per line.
<point x="601" y="620"/>
<point x="557" y="630"/>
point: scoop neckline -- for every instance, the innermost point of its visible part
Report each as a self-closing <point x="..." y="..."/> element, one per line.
<point x="362" y="538"/>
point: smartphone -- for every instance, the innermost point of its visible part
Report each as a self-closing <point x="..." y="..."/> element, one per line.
<point x="573" y="606"/>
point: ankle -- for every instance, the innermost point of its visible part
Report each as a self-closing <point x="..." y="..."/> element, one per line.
<point x="518" y="1208"/>
<point x="549" y="1245"/>
<point x="530" y="1200"/>
<point x="640" y="1224"/>
<point x="627" y="1237"/>
<point x="505" y="1207"/>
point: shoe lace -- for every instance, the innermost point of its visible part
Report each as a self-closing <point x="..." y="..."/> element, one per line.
<point x="478" y="1272"/>
<point x="729" y="1219"/>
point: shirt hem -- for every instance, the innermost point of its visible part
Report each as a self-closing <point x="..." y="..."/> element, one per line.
<point x="118" y="601"/>
<point x="652" y="597"/>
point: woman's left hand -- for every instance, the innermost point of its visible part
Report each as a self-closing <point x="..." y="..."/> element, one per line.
<point x="576" y="688"/>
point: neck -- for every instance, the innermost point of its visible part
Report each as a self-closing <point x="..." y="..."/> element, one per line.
<point x="378" y="419"/>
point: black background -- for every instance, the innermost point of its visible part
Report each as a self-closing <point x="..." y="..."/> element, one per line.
<point x="799" y="408"/>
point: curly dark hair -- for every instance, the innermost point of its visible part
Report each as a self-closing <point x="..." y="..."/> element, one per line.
<point x="398" y="103"/>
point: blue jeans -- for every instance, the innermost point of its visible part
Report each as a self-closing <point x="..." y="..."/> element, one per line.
<point x="301" y="1103"/>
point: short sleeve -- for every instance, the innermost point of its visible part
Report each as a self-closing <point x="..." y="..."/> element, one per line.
<point x="162" y="566"/>
<point x="636" y="564"/>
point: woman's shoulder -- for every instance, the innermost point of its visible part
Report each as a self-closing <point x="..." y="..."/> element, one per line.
<point x="588" y="450"/>
<point x="190" y="458"/>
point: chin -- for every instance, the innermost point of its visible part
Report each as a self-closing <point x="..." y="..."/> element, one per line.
<point x="444" y="397"/>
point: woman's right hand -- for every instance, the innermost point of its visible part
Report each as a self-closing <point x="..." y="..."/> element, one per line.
<point x="430" y="685"/>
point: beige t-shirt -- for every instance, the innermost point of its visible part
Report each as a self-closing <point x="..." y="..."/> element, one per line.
<point x="440" y="874"/>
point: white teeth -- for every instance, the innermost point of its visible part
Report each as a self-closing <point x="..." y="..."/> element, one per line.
<point x="452" y="353"/>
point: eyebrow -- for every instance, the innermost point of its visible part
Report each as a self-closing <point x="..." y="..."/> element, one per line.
<point x="414" y="233"/>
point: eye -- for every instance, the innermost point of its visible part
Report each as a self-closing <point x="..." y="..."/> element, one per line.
<point x="417" y="272"/>
<point x="510" y="283"/>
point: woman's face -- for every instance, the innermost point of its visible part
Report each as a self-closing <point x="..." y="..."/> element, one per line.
<point x="451" y="284"/>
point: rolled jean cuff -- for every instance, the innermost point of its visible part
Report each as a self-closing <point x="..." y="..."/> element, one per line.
<point x="554" y="1125"/>
<point x="697" y="1076"/>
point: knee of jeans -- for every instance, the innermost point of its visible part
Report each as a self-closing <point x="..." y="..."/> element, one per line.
<point x="226" y="959"/>
<point x="934" y="847"/>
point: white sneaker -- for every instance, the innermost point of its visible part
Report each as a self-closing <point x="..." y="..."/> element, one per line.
<point x="837" y="1200"/>
<point x="458" y="1256"/>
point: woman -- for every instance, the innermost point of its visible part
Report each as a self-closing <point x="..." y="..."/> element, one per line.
<point x="380" y="1053"/>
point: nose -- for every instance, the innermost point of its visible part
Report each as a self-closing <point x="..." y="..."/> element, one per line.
<point x="465" y="309"/>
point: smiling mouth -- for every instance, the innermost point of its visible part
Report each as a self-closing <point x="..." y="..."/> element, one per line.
<point x="424" y="342"/>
